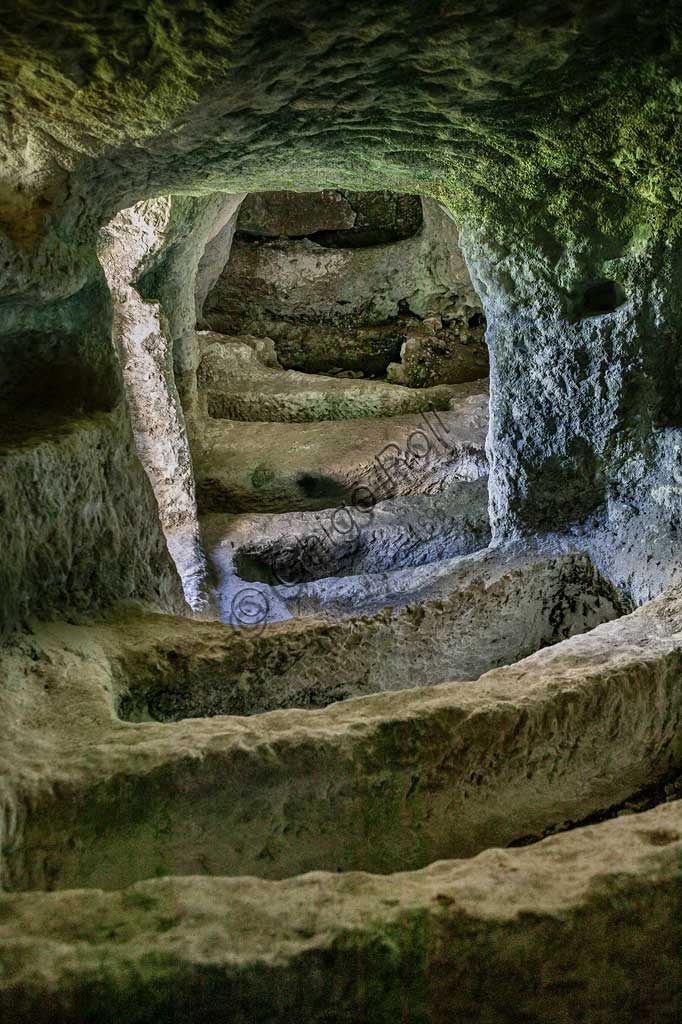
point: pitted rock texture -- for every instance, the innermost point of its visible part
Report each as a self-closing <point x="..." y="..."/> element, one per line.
<point x="334" y="217"/>
<point x="469" y="616"/>
<point x="435" y="351"/>
<point x="543" y="132"/>
<point x="373" y="590"/>
<point x="384" y="783"/>
<point x="57" y="359"/>
<point x="128" y="247"/>
<point x="129" y="244"/>
<point x="79" y="526"/>
<point x="581" y="426"/>
<point x="550" y="131"/>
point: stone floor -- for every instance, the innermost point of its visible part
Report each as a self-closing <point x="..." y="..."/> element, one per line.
<point x="273" y="789"/>
<point x="432" y="782"/>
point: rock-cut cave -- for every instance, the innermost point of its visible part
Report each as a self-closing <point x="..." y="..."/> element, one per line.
<point x="341" y="512"/>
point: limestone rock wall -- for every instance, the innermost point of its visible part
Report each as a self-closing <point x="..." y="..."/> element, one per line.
<point x="189" y="259"/>
<point x="79" y="524"/>
<point x="339" y="279"/>
<point x="584" y="428"/>
<point x="544" y="130"/>
<point x="57" y="358"/>
<point x="551" y="131"/>
<point x="335" y="218"/>
<point x="153" y="250"/>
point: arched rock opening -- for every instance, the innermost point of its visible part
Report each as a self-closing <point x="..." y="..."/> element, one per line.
<point x="137" y="741"/>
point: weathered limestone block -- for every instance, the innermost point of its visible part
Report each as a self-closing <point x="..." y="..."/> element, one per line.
<point x="338" y="279"/>
<point x="240" y="379"/>
<point x="200" y="235"/>
<point x="388" y="782"/>
<point x="79" y="526"/>
<point x="273" y="467"/>
<point x="582" y="926"/>
<point x="436" y="353"/>
<point x="131" y="247"/>
<point x="335" y="218"/>
<point x="293" y="214"/>
<point x="322" y="347"/>
<point x="300" y="278"/>
<point x="458" y="619"/>
<point x="583" y="418"/>
<point x="292" y="547"/>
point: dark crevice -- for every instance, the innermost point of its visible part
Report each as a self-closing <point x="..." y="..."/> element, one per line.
<point x="668" y="789"/>
<point x="600" y="298"/>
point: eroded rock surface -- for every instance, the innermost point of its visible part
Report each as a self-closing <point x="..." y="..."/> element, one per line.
<point x="458" y="620"/>
<point x="337" y="281"/>
<point x="241" y="379"/>
<point x="434" y="351"/>
<point x="384" y="783"/>
<point x="73" y="495"/>
<point x="422" y="945"/>
<point x="551" y="133"/>
<point x="273" y="467"/>
<point x="292" y="547"/>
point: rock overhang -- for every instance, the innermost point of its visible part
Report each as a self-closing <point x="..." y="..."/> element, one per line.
<point x="551" y="139"/>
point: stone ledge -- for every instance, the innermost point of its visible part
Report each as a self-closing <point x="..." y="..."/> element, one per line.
<point x="275" y="467"/>
<point x="382" y="782"/>
<point x="236" y="384"/>
<point x="583" y="926"/>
